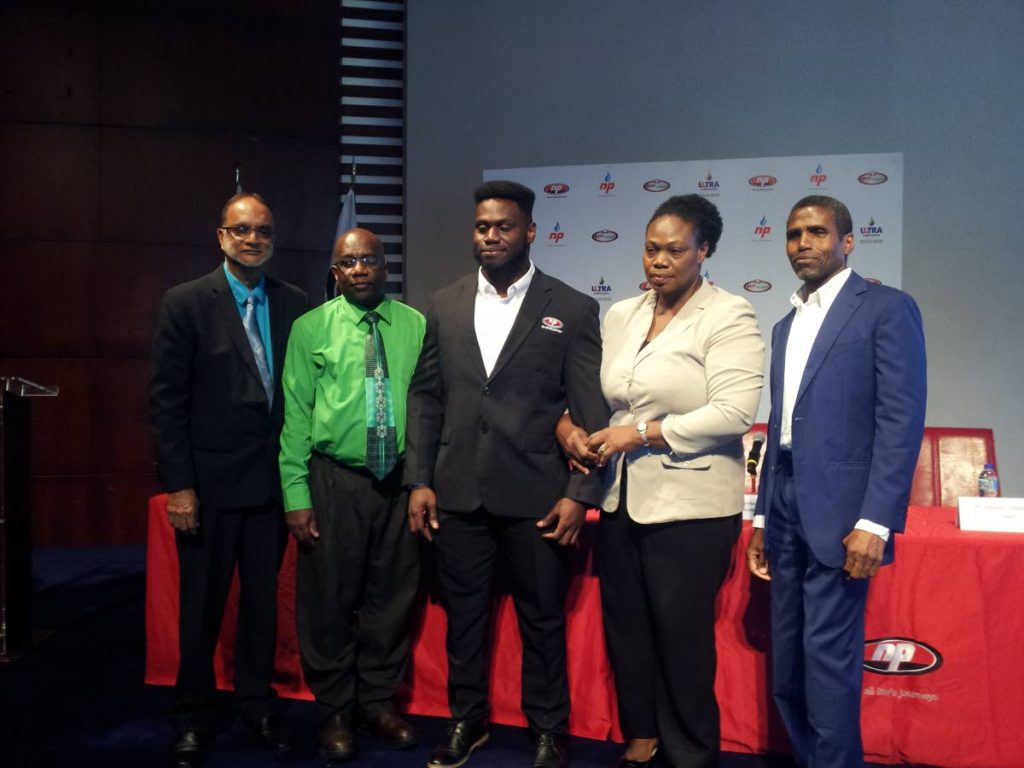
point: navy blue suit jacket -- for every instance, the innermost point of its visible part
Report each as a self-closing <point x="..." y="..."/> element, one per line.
<point x="858" y="418"/>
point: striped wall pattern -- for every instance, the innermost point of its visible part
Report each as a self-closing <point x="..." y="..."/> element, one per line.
<point x="372" y="122"/>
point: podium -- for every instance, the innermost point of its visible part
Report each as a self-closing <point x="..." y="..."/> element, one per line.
<point x="15" y="514"/>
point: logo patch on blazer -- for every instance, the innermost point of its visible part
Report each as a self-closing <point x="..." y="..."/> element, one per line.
<point x="900" y="656"/>
<point x="551" y="324"/>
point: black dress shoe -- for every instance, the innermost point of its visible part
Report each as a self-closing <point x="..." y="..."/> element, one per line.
<point x="551" y="751"/>
<point x="460" y="738"/>
<point x="271" y="733"/>
<point x="391" y="730"/>
<point x="335" y="740"/>
<point x="651" y="762"/>
<point x="188" y="750"/>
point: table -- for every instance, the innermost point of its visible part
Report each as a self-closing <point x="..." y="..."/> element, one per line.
<point x="959" y="594"/>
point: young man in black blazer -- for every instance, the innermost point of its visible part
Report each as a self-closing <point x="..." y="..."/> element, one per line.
<point x="507" y="350"/>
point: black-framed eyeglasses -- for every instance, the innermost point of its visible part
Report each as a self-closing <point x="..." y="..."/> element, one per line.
<point x="349" y="262"/>
<point x="242" y="231"/>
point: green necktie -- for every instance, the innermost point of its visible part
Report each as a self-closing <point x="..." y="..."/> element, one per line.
<point x="381" y="439"/>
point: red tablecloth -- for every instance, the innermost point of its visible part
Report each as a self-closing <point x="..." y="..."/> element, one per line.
<point x="958" y="594"/>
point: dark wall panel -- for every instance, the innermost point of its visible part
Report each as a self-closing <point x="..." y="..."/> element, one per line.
<point x="120" y="127"/>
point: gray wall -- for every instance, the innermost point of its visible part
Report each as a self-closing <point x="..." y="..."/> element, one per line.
<point x="531" y="83"/>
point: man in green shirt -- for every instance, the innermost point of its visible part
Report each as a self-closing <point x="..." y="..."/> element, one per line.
<point x="346" y="375"/>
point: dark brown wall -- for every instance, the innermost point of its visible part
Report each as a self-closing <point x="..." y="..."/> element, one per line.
<point x="120" y="127"/>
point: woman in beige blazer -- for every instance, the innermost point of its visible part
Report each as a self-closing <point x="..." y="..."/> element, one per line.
<point x="682" y="373"/>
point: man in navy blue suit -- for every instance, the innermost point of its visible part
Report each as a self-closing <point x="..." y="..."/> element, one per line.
<point x="848" y="386"/>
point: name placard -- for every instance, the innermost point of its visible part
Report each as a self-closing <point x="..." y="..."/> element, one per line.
<point x="983" y="513"/>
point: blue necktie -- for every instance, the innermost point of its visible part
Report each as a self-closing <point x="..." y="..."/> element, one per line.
<point x="381" y="438"/>
<point x="252" y="330"/>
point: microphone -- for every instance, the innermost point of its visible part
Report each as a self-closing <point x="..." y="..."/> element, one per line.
<point x="755" y="453"/>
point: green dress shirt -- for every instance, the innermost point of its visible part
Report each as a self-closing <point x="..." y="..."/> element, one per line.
<point x="324" y="383"/>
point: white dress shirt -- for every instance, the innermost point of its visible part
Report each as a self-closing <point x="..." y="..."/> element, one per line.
<point x="494" y="315"/>
<point x="810" y="314"/>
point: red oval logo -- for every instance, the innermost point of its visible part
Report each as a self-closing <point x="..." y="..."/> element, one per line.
<point x="552" y="322"/>
<point x="605" y="236"/>
<point x="762" y="180"/>
<point x="900" y="656"/>
<point x="556" y="189"/>
<point x="872" y="178"/>
<point x="757" y="286"/>
<point x="656" y="185"/>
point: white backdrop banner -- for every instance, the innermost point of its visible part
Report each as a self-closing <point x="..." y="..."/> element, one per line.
<point x="591" y="221"/>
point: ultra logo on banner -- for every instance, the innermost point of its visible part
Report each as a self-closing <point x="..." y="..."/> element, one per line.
<point x="900" y="656"/>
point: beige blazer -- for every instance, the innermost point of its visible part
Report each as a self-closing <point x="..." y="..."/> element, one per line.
<point x="701" y="377"/>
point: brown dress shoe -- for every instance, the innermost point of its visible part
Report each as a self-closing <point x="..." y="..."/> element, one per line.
<point x="391" y="730"/>
<point x="335" y="740"/>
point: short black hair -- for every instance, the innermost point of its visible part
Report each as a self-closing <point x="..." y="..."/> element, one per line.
<point x="506" y="190"/>
<point x="241" y="196"/>
<point x="840" y="213"/>
<point x="697" y="211"/>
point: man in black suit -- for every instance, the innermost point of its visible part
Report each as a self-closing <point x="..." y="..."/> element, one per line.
<point x="216" y="411"/>
<point x="507" y="350"/>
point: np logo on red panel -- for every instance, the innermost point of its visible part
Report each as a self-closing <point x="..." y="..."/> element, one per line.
<point x="900" y="656"/>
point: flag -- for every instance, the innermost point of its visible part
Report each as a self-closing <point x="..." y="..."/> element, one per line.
<point x="347" y="215"/>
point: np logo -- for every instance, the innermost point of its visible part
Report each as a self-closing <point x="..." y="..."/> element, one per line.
<point x="900" y="656"/>
<point x="552" y="324"/>
<point x="819" y="177"/>
<point x="762" y="181"/>
<point x="872" y="178"/>
<point x="762" y="230"/>
<point x="757" y="286"/>
<point x="656" y="185"/>
<point x="556" y="234"/>
<point x="605" y="236"/>
<point x="607" y="185"/>
<point x="556" y="189"/>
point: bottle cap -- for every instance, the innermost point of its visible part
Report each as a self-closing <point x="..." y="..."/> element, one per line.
<point x="989" y="466"/>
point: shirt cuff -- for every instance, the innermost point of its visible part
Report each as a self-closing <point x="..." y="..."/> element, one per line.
<point x="879" y="530"/>
<point x="758" y="521"/>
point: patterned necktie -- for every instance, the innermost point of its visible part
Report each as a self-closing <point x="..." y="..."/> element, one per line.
<point x="381" y="439"/>
<point x="252" y="330"/>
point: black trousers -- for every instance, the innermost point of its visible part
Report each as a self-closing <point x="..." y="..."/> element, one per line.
<point x="255" y="539"/>
<point x="354" y="589"/>
<point x="470" y="549"/>
<point x="658" y="588"/>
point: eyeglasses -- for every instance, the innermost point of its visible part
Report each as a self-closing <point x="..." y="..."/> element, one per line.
<point x="242" y="231"/>
<point x="349" y="262"/>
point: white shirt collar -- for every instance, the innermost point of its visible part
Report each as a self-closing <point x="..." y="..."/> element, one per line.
<point x="485" y="289"/>
<point x="826" y="295"/>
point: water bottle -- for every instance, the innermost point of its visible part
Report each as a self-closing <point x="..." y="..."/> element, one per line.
<point x="988" y="481"/>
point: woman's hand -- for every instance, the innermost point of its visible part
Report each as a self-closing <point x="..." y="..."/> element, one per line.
<point x="612" y="440"/>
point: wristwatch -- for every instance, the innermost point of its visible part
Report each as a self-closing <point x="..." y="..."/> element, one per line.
<point x="641" y="427"/>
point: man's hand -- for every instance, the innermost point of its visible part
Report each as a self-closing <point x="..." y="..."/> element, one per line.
<point x="302" y="525"/>
<point x="863" y="554"/>
<point x="570" y="516"/>
<point x="183" y="511"/>
<point x="757" y="563"/>
<point x="423" y="511"/>
<point x="573" y="440"/>
<point x="611" y="440"/>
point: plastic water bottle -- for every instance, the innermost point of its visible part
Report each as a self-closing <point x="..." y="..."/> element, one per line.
<point x="988" y="481"/>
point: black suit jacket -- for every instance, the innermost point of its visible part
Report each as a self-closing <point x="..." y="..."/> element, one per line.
<point x="489" y="441"/>
<point x="211" y="425"/>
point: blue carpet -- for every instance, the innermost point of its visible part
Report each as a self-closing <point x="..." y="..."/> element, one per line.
<point x="77" y="699"/>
